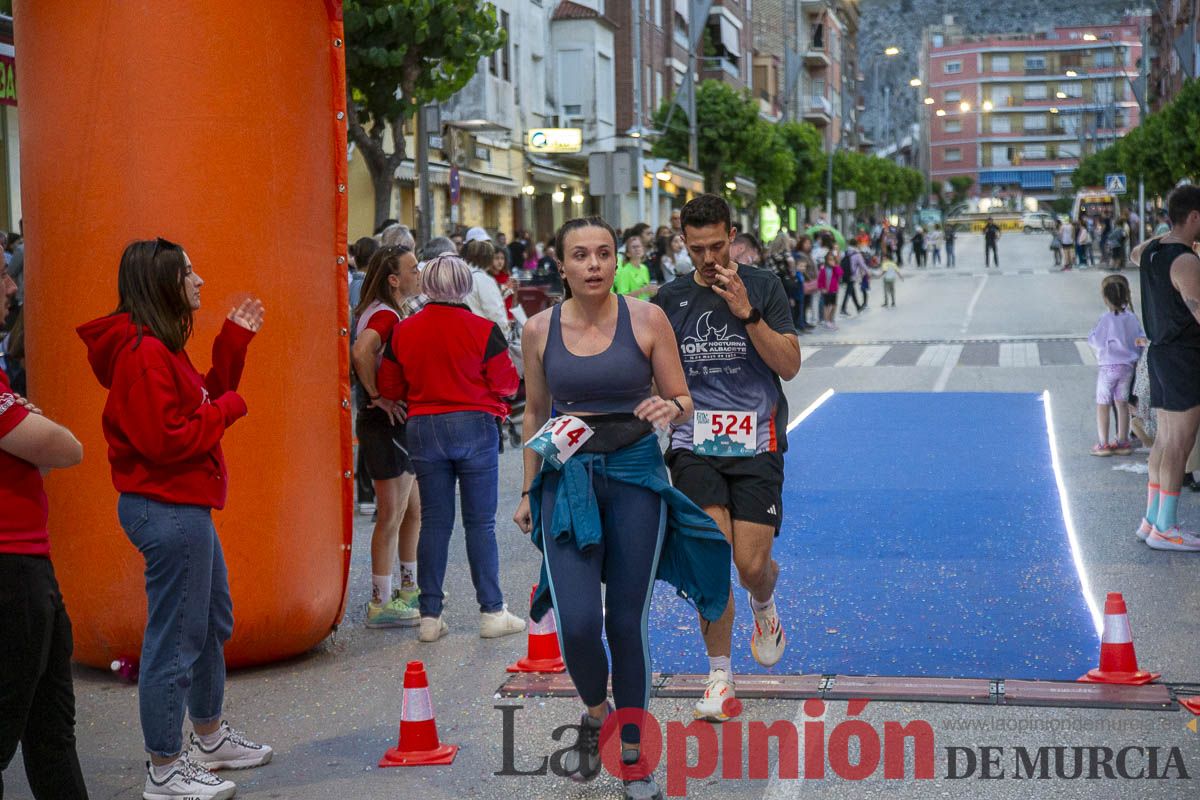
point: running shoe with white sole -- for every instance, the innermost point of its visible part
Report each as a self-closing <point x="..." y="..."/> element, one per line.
<point x="768" y="641"/>
<point x="186" y="780"/>
<point x="232" y="751"/>
<point x="1174" y="538"/>
<point x="494" y="624"/>
<point x="399" y="612"/>
<point x="582" y="762"/>
<point x="432" y="629"/>
<point x="640" y="785"/>
<point x="717" y="690"/>
<point x="1143" y="529"/>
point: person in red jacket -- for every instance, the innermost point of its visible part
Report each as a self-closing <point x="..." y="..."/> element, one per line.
<point x="37" y="701"/>
<point x="163" y="422"/>
<point x="452" y="369"/>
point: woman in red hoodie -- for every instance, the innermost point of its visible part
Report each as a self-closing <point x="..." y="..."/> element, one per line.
<point x="163" y="422"/>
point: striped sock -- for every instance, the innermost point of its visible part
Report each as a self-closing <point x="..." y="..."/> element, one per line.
<point x="1152" y="502"/>
<point x="1168" y="504"/>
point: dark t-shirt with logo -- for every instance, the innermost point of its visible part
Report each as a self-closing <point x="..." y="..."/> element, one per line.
<point x="724" y="372"/>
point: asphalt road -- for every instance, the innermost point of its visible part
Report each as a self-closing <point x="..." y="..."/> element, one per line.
<point x="331" y="713"/>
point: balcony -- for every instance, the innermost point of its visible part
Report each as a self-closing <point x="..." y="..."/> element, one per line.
<point x="818" y="111"/>
<point x="815" y="56"/>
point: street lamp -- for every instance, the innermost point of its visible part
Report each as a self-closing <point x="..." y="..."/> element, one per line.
<point x="964" y="106"/>
<point x="941" y="112"/>
<point x="1072" y="73"/>
<point x="891" y="51"/>
<point x="915" y="82"/>
<point x="987" y="105"/>
<point x="1061" y="95"/>
<point x="928" y="101"/>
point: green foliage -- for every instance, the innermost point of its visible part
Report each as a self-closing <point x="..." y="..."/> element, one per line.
<point x="732" y="140"/>
<point x="876" y="181"/>
<point x="803" y="142"/>
<point x="1161" y="150"/>
<point x="960" y="184"/>
<point x="428" y="49"/>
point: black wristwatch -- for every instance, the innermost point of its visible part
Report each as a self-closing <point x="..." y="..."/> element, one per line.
<point x="755" y="316"/>
<point x="678" y="405"/>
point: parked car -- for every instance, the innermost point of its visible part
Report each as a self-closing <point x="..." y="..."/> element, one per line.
<point x="1036" y="221"/>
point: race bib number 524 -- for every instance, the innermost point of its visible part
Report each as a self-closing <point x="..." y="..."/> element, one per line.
<point x="725" y="433"/>
<point x="560" y="438"/>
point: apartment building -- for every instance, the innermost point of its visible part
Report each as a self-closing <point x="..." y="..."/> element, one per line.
<point x="823" y="34"/>
<point x="1016" y="111"/>
<point x="1175" y="47"/>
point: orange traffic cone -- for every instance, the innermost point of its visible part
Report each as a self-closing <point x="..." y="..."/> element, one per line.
<point x="542" y="654"/>
<point x="419" y="743"/>
<point x="1118" y="661"/>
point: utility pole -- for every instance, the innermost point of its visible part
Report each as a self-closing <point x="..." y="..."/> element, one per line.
<point x="635" y="6"/>
<point x="1143" y="100"/>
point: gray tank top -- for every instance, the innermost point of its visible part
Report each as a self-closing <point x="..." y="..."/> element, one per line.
<point x="614" y="381"/>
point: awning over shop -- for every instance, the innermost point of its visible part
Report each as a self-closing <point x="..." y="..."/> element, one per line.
<point x="685" y="179"/>
<point x="439" y="175"/>
<point x="999" y="177"/>
<point x="546" y="171"/>
<point x="1039" y="179"/>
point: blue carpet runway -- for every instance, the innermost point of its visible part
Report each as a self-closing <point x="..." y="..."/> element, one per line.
<point x="923" y="535"/>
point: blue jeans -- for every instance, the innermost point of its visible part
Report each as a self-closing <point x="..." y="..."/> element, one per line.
<point x="461" y="447"/>
<point x="190" y="617"/>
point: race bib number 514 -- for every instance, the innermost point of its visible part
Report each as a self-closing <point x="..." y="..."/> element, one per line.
<point x="560" y="438"/>
<point x="725" y="433"/>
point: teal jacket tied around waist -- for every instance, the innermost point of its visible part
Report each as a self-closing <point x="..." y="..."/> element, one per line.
<point x="695" y="556"/>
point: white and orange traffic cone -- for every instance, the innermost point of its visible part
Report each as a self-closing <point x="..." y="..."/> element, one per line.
<point x="418" y="745"/>
<point x="1118" y="661"/>
<point x="542" y="653"/>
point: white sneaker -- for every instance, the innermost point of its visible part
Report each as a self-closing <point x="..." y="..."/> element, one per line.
<point x="1174" y="538"/>
<point x="719" y="688"/>
<point x="495" y="624"/>
<point x="1143" y="530"/>
<point x="232" y="751"/>
<point x="186" y="779"/>
<point x="432" y="629"/>
<point x="768" y="641"/>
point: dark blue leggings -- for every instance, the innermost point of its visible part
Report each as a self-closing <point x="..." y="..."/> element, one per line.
<point x="627" y="557"/>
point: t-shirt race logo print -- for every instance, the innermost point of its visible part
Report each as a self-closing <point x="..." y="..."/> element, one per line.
<point x="710" y="343"/>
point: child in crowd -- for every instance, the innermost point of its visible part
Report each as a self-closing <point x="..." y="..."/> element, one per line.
<point x="828" y="280"/>
<point x="889" y="272"/>
<point x="1117" y="339"/>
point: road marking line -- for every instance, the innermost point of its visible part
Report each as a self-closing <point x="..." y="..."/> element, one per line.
<point x="808" y="352"/>
<point x="954" y="351"/>
<point x="864" y="356"/>
<point x="974" y="301"/>
<point x="828" y="393"/>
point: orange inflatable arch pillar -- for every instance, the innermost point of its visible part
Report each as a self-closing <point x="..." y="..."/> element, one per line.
<point x="221" y="126"/>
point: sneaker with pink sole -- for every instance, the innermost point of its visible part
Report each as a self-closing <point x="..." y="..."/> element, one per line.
<point x="1174" y="538"/>
<point x="1102" y="450"/>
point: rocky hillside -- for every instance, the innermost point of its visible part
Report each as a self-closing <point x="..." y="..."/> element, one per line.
<point x="900" y="23"/>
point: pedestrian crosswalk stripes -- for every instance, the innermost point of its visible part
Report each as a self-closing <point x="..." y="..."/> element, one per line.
<point x="1049" y="353"/>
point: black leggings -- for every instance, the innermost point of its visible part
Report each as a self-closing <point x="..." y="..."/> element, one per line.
<point x="627" y="557"/>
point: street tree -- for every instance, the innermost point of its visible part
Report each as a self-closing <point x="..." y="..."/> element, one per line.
<point x="803" y="141"/>
<point x="733" y="140"/>
<point x="400" y="55"/>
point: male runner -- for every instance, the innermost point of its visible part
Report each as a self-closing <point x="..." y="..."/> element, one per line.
<point x="1170" y="276"/>
<point x="736" y="341"/>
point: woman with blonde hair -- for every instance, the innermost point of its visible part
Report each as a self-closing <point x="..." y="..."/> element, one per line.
<point x="452" y="370"/>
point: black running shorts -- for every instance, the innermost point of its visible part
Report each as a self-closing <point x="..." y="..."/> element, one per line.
<point x="1174" y="377"/>
<point x="751" y="488"/>
<point x="383" y="445"/>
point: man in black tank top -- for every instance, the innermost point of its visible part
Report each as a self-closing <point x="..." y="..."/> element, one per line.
<point x="1170" y="282"/>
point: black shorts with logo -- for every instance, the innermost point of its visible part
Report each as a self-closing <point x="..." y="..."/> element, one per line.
<point x="751" y="488"/>
<point x="1174" y="377"/>
<point x="383" y="445"/>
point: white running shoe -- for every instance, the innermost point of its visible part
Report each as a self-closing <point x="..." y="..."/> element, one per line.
<point x="1174" y="538"/>
<point x="493" y="625"/>
<point x="232" y="751"/>
<point x="432" y="629"/>
<point x="768" y="641"/>
<point x="189" y="780"/>
<point x="1143" y="530"/>
<point x="719" y="688"/>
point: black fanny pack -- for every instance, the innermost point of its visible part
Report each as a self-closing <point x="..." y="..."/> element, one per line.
<point x="614" y="432"/>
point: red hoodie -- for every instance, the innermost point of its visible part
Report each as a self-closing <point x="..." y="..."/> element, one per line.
<point x="163" y="421"/>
